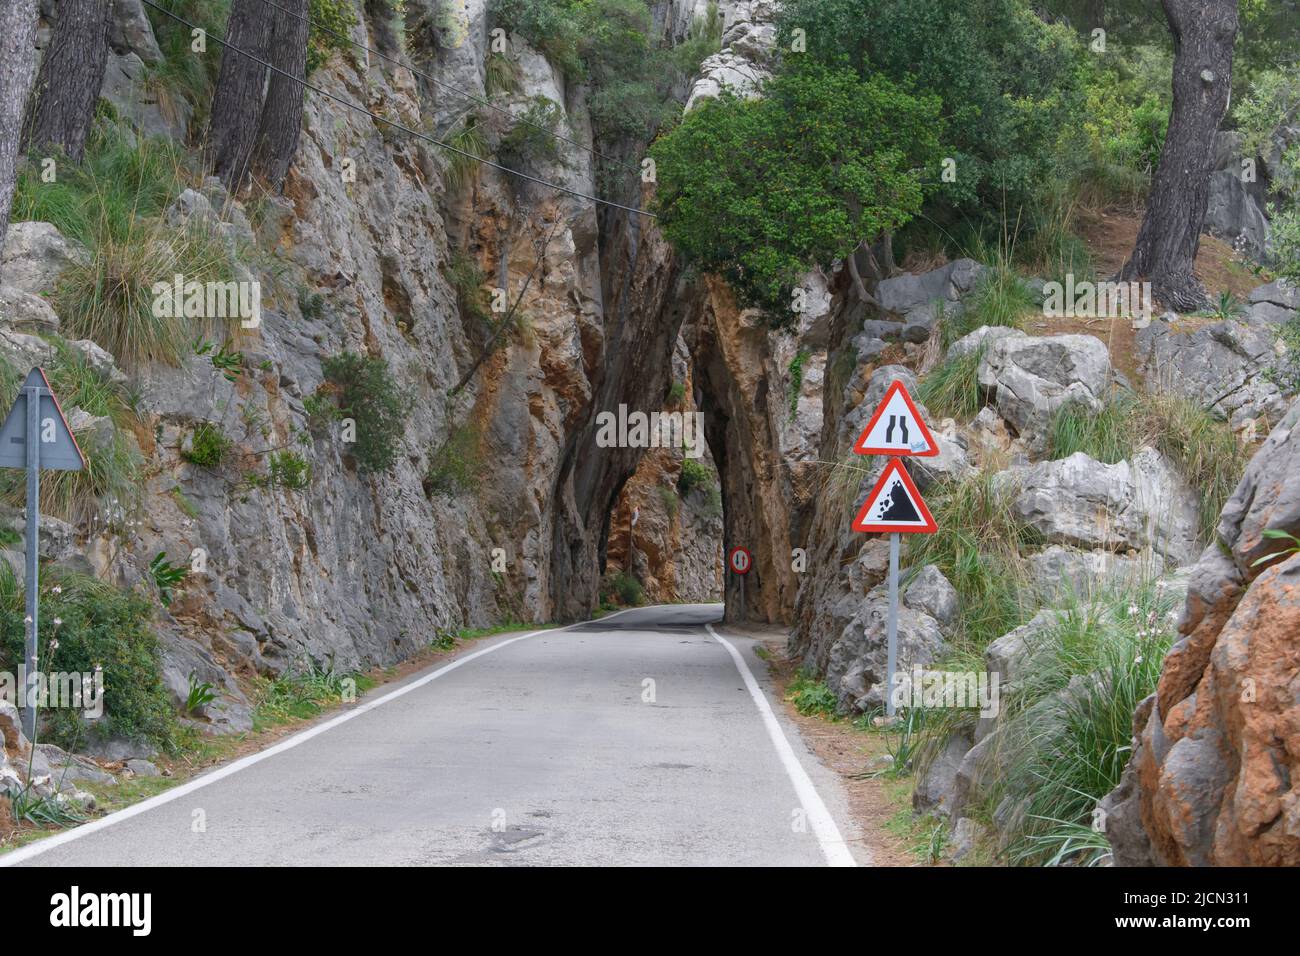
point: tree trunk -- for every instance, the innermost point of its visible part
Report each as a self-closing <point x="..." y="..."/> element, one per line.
<point x="17" y="68"/>
<point x="277" y="140"/>
<point x="241" y="88"/>
<point x="72" y="73"/>
<point x="1165" y="253"/>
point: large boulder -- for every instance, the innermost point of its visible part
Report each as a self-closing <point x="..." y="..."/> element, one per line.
<point x="858" y="663"/>
<point x="129" y="31"/>
<point x="1131" y="505"/>
<point x="1215" y="775"/>
<point x="919" y="301"/>
<point x="23" y="309"/>
<point x="35" y="256"/>
<point x="126" y="87"/>
<point x="1031" y="377"/>
<point x="1059" y="572"/>
<point x="936" y="786"/>
<point x="1221" y="365"/>
<point x="1234" y="215"/>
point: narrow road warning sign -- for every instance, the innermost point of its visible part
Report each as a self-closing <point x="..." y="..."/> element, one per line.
<point x="740" y="561"/>
<point x="896" y="428"/>
<point x="895" y="505"/>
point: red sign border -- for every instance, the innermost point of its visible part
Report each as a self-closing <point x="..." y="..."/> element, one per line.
<point x="897" y="386"/>
<point x="896" y="465"/>
<point x="59" y="408"/>
<point x="732" y="567"/>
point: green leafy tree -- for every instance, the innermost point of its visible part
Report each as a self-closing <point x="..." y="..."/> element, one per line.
<point x="1007" y="80"/>
<point x="761" y="190"/>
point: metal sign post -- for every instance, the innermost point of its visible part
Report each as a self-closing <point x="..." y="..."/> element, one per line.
<point x="36" y="420"/>
<point x="32" y="397"/>
<point x="894" y="505"/>
<point x="892" y="631"/>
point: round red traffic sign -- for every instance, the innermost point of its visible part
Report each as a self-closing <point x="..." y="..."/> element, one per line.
<point x="740" y="560"/>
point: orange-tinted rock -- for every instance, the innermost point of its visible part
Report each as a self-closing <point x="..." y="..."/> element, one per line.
<point x="1215" y="776"/>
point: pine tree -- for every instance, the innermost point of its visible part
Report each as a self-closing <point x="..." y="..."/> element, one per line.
<point x="17" y="68"/>
<point x="72" y="72"/>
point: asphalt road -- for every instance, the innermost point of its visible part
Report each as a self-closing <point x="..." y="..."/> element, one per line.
<point x="541" y="749"/>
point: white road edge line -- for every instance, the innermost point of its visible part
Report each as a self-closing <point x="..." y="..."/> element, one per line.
<point x="49" y="843"/>
<point x="828" y="835"/>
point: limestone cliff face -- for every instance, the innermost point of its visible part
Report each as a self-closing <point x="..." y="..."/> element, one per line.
<point x="1213" y="778"/>
<point x="360" y="569"/>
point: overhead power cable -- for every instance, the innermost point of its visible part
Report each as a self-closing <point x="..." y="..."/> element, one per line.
<point x="405" y="129"/>
<point x="455" y="89"/>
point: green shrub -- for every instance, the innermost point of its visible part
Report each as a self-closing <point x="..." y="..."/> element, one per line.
<point x="1285" y="371"/>
<point x="627" y="588"/>
<point x="529" y="145"/>
<point x="338" y="17"/>
<point x="100" y="626"/>
<point x="367" y="394"/>
<point x="288" y="469"/>
<point x="166" y="576"/>
<point x="695" y="474"/>
<point x="455" y="467"/>
<point x="677" y="394"/>
<point x="811" y="188"/>
<point x="668" y="499"/>
<point x="208" y="445"/>
<point x="796" y="378"/>
<point x="811" y="697"/>
<point x="1008" y="81"/>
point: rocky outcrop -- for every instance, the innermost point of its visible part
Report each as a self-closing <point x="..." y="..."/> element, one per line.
<point x="36" y="254"/>
<point x="1031" y="377"/>
<point x="1130" y="506"/>
<point x="360" y="569"/>
<point x="1220" y="365"/>
<point x="1213" y="778"/>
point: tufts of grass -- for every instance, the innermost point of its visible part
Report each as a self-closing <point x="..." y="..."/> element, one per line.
<point x="112" y="203"/>
<point x="500" y="75"/>
<point x="1205" y="449"/>
<point x="468" y="137"/>
<point x="304" y="694"/>
<point x="1106" y="435"/>
<point x="1066" y="726"/>
<point x="1000" y="298"/>
<point x="978" y="547"/>
<point x="953" y="389"/>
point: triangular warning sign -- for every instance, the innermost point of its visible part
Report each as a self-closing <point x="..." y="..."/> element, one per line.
<point x="895" y="505"/>
<point x="57" y="450"/>
<point x="896" y="428"/>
